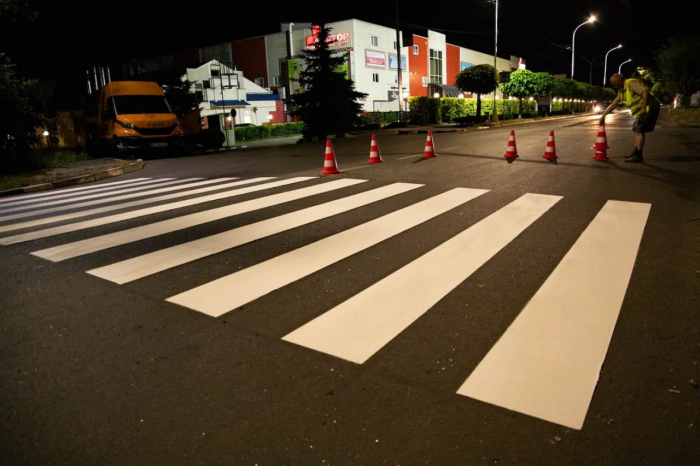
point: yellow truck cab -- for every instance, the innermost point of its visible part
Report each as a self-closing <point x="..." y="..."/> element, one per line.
<point x="135" y="116"/>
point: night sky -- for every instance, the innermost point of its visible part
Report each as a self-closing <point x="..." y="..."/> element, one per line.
<point x="68" y="36"/>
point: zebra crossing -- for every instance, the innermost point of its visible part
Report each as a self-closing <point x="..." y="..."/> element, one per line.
<point x="546" y="363"/>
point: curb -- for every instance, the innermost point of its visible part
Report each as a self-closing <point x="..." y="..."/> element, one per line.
<point x="117" y="171"/>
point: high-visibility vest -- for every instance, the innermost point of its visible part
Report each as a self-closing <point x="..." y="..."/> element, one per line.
<point x="634" y="102"/>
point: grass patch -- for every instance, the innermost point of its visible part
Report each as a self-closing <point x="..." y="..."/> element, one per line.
<point x="686" y="116"/>
<point x="34" y="168"/>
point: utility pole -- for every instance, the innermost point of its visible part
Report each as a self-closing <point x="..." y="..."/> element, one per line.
<point x="494" y="118"/>
<point x="398" y="59"/>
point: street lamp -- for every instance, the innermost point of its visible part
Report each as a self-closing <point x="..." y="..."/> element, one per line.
<point x="605" y="71"/>
<point x="573" y="39"/>
<point x="619" y="70"/>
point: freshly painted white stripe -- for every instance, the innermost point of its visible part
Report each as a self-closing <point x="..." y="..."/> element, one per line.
<point x="228" y="293"/>
<point x="110" y="208"/>
<point x="142" y="266"/>
<point x="362" y="325"/>
<point x="143" y="212"/>
<point x="73" y="191"/>
<point x="99" y="243"/>
<point x="144" y="191"/>
<point x="548" y="362"/>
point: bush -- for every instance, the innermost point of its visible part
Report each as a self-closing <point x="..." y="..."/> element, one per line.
<point x="685" y="116"/>
<point x="378" y="119"/>
<point x="248" y="133"/>
<point x="452" y="108"/>
<point x="211" y="138"/>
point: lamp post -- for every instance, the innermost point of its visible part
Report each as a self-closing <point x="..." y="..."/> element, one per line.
<point x="619" y="70"/>
<point x="605" y="71"/>
<point x="573" y="45"/>
<point x="494" y="114"/>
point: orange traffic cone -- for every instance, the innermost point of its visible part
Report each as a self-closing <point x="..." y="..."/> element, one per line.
<point x="429" y="149"/>
<point x="512" y="151"/>
<point x="550" y="152"/>
<point x="374" y="155"/>
<point x="601" y="145"/>
<point x="330" y="166"/>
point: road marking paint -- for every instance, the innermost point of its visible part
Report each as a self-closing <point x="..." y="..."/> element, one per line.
<point x="100" y="243"/>
<point x="230" y="292"/>
<point x="57" y="194"/>
<point x="410" y="156"/>
<point x="547" y="363"/>
<point x="158" y="261"/>
<point x="143" y="212"/>
<point x="358" y="328"/>
<point x="110" y="208"/>
<point x="100" y="198"/>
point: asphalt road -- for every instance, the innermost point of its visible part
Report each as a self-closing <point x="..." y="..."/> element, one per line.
<point x="527" y="297"/>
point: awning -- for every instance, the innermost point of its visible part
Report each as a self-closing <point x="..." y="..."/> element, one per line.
<point x="229" y="103"/>
<point x="445" y="90"/>
<point x="262" y="97"/>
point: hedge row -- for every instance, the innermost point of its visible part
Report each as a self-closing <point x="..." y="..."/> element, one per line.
<point x="428" y="110"/>
<point x="247" y="133"/>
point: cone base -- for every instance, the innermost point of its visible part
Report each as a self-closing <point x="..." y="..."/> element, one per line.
<point x="601" y="157"/>
<point x="375" y="160"/>
<point x="508" y="156"/>
<point x="330" y="171"/>
<point x="429" y="155"/>
<point x="550" y="156"/>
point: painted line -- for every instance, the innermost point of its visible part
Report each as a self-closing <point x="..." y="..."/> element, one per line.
<point x="100" y="243"/>
<point x="158" y="261"/>
<point x="230" y="292"/>
<point x="110" y="208"/>
<point x="143" y="191"/>
<point x="143" y="212"/>
<point x="358" y="328"/>
<point x="410" y="157"/>
<point x="547" y="363"/>
<point x="56" y="194"/>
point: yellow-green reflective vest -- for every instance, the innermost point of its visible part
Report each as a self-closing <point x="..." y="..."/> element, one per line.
<point x="634" y="102"/>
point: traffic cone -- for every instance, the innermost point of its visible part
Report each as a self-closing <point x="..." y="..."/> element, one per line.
<point x="330" y="166"/>
<point x="601" y="145"/>
<point x="374" y="155"/>
<point x="550" y="152"/>
<point x="512" y="151"/>
<point x="429" y="149"/>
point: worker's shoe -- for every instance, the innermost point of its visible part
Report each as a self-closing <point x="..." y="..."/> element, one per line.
<point x="635" y="156"/>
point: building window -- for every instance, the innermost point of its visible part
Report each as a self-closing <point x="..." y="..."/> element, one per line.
<point x="375" y="77"/>
<point x="415" y="50"/>
<point x="276" y="81"/>
<point x="214" y="72"/>
<point x="394" y="45"/>
<point x="260" y="82"/>
<point x="425" y="81"/>
<point x="436" y="66"/>
<point x="375" y="41"/>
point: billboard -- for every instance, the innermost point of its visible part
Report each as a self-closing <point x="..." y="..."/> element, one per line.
<point x="375" y="59"/>
<point x="393" y="60"/>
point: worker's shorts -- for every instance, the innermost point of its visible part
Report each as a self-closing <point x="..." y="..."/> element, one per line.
<point x="646" y="123"/>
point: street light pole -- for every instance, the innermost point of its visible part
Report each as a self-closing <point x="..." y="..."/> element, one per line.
<point x="605" y="70"/>
<point x="494" y="117"/>
<point x="573" y="43"/>
<point x="398" y="59"/>
<point x="619" y="70"/>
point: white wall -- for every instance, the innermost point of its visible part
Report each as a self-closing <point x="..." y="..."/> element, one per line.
<point x="436" y="41"/>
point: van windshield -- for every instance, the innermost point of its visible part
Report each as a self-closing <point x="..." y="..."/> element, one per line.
<point x="134" y="104"/>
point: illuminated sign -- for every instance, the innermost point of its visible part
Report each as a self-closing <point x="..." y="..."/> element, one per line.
<point x="375" y="59"/>
<point x="333" y="40"/>
<point x="393" y="60"/>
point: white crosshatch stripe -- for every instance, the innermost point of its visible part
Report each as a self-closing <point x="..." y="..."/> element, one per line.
<point x="547" y="363"/>
<point x="99" y="243"/>
<point x="116" y="200"/>
<point x="358" y="328"/>
<point x="110" y="208"/>
<point x="142" y="266"/>
<point x="228" y="293"/>
<point x="58" y="194"/>
<point x="144" y="212"/>
<point x="97" y="198"/>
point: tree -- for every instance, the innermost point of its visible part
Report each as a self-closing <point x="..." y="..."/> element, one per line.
<point x="329" y="102"/>
<point x="565" y="88"/>
<point x="177" y="91"/>
<point x="522" y="84"/>
<point x="679" y="65"/>
<point x="18" y="117"/>
<point x="479" y="79"/>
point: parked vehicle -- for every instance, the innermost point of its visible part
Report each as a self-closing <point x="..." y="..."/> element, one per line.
<point x="601" y="106"/>
<point x="128" y="117"/>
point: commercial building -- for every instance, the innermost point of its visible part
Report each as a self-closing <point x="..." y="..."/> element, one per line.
<point x="272" y="62"/>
